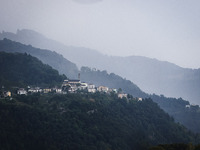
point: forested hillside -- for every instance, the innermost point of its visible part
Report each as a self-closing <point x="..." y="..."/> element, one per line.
<point x="181" y="110"/>
<point x="86" y="122"/>
<point x="21" y="70"/>
<point x="53" y="59"/>
<point x="176" y="146"/>
<point x="189" y="117"/>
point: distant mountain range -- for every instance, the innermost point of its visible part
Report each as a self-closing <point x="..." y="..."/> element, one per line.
<point x="151" y="75"/>
<point x="53" y="59"/>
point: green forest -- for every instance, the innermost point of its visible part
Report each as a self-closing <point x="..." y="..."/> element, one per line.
<point x="21" y="70"/>
<point x="176" y="107"/>
<point x="177" y="146"/>
<point x="88" y="122"/>
<point x="188" y="116"/>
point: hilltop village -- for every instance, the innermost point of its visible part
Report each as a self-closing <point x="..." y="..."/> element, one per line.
<point x="68" y="86"/>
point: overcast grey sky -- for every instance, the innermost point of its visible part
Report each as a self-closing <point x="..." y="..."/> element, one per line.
<point x="163" y="29"/>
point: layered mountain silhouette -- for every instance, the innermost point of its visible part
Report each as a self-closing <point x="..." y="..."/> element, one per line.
<point x="22" y="70"/>
<point x="151" y="75"/>
<point x="70" y="70"/>
<point x="53" y="59"/>
<point x="188" y="116"/>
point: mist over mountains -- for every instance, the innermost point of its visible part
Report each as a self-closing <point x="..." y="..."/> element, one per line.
<point x="69" y="69"/>
<point x="181" y="110"/>
<point x="53" y="59"/>
<point x="151" y="75"/>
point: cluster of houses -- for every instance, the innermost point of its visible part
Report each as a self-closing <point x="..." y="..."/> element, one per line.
<point x="68" y="86"/>
<point x="72" y="86"/>
<point x="23" y="91"/>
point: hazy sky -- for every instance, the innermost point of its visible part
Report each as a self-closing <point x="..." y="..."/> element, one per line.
<point x="163" y="29"/>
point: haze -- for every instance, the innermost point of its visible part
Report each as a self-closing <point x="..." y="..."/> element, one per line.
<point x="166" y="30"/>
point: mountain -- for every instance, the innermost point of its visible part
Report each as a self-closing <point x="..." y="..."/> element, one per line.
<point x="22" y="70"/>
<point x="151" y="75"/>
<point x="189" y="117"/>
<point x="111" y="80"/>
<point x="53" y="59"/>
<point x="181" y="110"/>
<point x="86" y="121"/>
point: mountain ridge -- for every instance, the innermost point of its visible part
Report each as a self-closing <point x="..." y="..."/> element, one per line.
<point x="178" y="107"/>
<point x="151" y="75"/>
<point x="57" y="61"/>
<point x="24" y="70"/>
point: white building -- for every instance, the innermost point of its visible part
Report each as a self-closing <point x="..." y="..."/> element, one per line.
<point x="91" y="88"/>
<point x="71" y="85"/>
<point x="47" y="90"/>
<point x="35" y="90"/>
<point x="187" y="106"/>
<point x="103" y="89"/>
<point x="22" y="92"/>
<point x="59" y="91"/>
<point x="139" y="99"/>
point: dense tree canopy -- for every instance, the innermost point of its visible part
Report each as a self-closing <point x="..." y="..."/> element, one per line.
<point x="86" y="121"/>
<point x="23" y="69"/>
<point x="181" y="110"/>
<point x="189" y="117"/>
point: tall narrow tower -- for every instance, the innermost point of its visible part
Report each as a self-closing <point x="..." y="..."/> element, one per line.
<point x="79" y="76"/>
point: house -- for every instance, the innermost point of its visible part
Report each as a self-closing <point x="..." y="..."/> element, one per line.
<point x="187" y="106"/>
<point x="65" y="83"/>
<point x="71" y="85"/>
<point x="103" y="89"/>
<point x="35" y="90"/>
<point x="8" y="94"/>
<point x="91" y="88"/>
<point x="46" y="90"/>
<point x="59" y="91"/>
<point x="70" y="88"/>
<point x="139" y="99"/>
<point x="122" y="95"/>
<point x="22" y="91"/>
